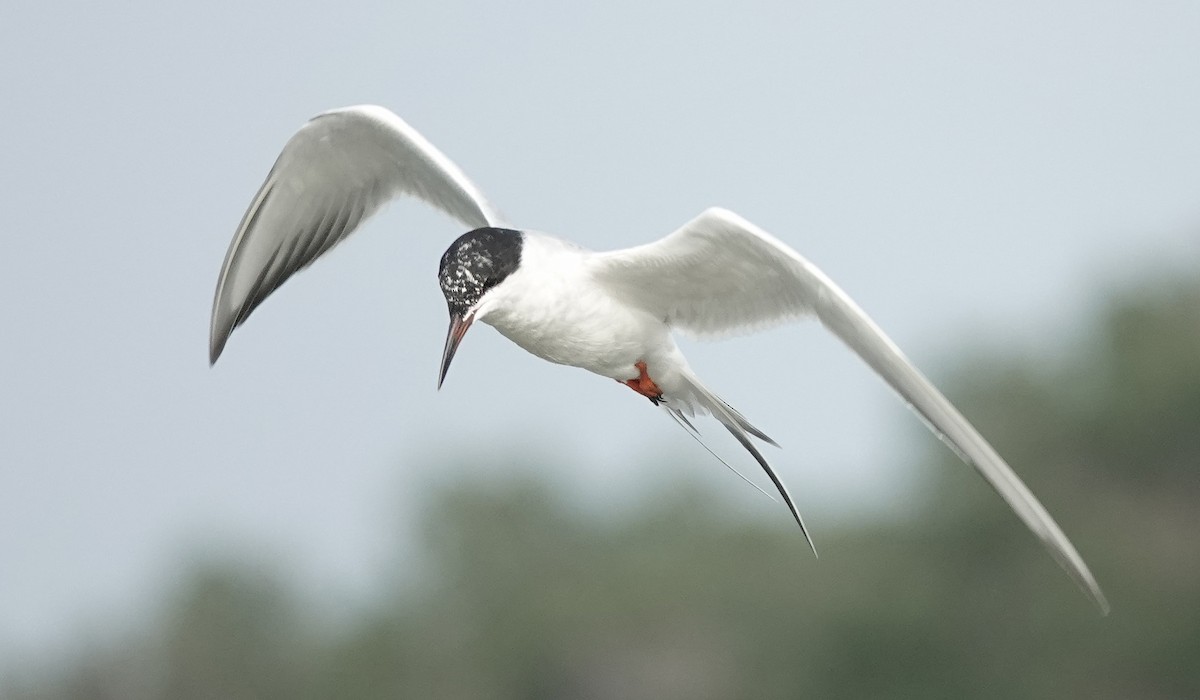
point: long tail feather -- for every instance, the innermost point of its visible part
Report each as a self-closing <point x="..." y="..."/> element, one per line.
<point x="686" y="424"/>
<point x="762" y="462"/>
<point x="741" y="429"/>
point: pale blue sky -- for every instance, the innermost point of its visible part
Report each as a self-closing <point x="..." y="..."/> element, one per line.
<point x="971" y="175"/>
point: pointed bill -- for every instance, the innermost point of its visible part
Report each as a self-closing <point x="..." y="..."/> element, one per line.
<point x="458" y="328"/>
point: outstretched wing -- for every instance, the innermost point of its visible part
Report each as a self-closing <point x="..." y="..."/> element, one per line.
<point x="720" y="273"/>
<point x="335" y="172"/>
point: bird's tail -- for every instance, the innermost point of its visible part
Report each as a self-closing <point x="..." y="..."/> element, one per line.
<point x="696" y="398"/>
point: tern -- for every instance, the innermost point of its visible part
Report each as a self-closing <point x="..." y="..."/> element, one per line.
<point x="611" y="313"/>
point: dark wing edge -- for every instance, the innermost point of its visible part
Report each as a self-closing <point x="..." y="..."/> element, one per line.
<point x="337" y="171"/>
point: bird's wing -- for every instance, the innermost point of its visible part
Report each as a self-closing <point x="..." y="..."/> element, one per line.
<point x="720" y="273"/>
<point x="336" y="171"/>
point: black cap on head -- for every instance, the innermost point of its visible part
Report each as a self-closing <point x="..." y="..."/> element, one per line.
<point x="476" y="262"/>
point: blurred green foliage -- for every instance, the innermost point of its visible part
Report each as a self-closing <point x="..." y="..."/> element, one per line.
<point x="526" y="598"/>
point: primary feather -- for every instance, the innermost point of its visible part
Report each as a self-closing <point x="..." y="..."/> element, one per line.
<point x="335" y="172"/>
<point x="719" y="274"/>
<point x="604" y="312"/>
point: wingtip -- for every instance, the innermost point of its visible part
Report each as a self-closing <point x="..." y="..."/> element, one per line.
<point x="216" y="344"/>
<point x="1092" y="589"/>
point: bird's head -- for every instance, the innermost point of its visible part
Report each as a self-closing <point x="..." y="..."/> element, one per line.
<point x="471" y="267"/>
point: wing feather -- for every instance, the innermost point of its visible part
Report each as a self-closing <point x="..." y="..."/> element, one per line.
<point x="333" y="174"/>
<point x="719" y="274"/>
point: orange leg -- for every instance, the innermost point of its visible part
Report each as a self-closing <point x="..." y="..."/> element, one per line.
<point x="643" y="384"/>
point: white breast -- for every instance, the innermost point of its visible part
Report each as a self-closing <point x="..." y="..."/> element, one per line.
<point x="553" y="309"/>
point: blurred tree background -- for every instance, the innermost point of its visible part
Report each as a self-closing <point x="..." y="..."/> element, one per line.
<point x="525" y="597"/>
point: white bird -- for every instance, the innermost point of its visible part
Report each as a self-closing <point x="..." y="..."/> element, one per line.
<point x="610" y="313"/>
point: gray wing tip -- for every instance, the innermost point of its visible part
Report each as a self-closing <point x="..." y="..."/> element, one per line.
<point x="214" y="351"/>
<point x="219" y="334"/>
<point x="1083" y="577"/>
<point x="1091" y="589"/>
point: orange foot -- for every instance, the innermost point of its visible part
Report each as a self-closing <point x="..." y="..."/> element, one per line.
<point x="644" y="385"/>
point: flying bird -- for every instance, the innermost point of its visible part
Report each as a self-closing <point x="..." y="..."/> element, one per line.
<point x="611" y="313"/>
